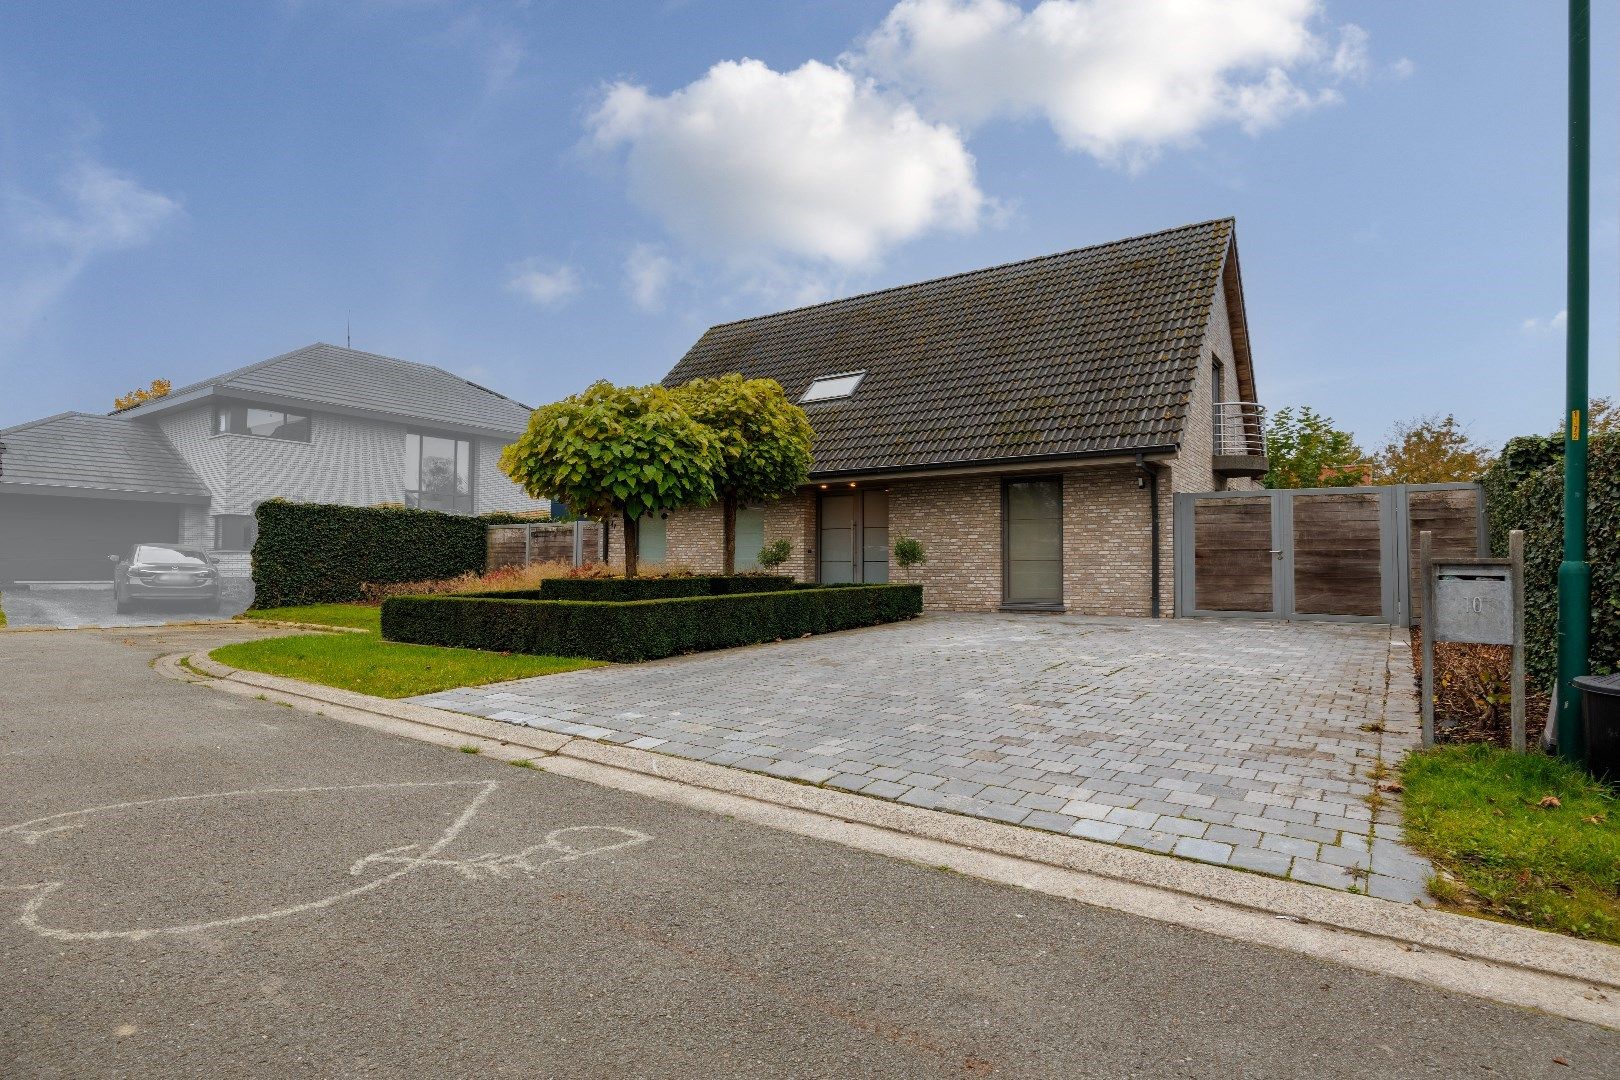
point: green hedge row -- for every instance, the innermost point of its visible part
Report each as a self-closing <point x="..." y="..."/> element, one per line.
<point x="623" y="589"/>
<point x="1524" y="489"/>
<point x="642" y="629"/>
<point x="313" y="553"/>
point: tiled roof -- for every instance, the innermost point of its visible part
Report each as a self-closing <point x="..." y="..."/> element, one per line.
<point x="322" y="374"/>
<point x="84" y="451"/>
<point x="1086" y="351"/>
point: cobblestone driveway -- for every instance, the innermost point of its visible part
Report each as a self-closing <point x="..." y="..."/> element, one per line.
<point x="1241" y="743"/>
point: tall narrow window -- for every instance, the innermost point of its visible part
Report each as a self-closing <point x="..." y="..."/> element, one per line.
<point x="1032" y="541"/>
<point x="438" y="473"/>
<point x="750" y="537"/>
<point x="1218" y="395"/>
<point x="653" y="545"/>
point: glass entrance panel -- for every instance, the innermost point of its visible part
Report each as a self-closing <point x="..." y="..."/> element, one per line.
<point x="837" y="539"/>
<point x="1034" y="542"/>
<point x="875" y="537"/>
<point x="750" y="537"/>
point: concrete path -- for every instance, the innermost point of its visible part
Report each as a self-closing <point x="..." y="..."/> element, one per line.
<point x="260" y="892"/>
<point x="1249" y="744"/>
<point x="70" y="605"/>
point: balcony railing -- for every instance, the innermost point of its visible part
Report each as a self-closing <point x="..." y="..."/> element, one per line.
<point x="1240" y="429"/>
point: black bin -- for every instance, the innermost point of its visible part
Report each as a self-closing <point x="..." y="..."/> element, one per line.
<point x="1600" y="707"/>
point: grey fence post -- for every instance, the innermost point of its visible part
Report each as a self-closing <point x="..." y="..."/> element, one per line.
<point x="1425" y="555"/>
<point x="1516" y="688"/>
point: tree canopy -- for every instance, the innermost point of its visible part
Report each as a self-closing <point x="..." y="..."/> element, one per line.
<point x="763" y="440"/>
<point x="138" y="396"/>
<point x="1306" y="450"/>
<point x="1432" y="450"/>
<point x="631" y="451"/>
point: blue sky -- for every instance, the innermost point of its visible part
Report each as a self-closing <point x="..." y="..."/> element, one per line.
<point x="540" y="194"/>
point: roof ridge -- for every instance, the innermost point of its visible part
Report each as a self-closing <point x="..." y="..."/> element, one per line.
<point x="1229" y="219"/>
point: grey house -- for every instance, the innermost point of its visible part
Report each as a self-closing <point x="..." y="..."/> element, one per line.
<point x="320" y="424"/>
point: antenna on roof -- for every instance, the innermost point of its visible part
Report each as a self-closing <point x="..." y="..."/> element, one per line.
<point x="348" y="338"/>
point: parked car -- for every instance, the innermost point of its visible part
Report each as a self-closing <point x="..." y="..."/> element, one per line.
<point x="164" y="572"/>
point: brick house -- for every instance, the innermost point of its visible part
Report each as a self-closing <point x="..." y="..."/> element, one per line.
<point x="1028" y="423"/>
<point x="319" y="424"/>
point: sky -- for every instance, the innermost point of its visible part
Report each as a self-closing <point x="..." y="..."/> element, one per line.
<point x="538" y="194"/>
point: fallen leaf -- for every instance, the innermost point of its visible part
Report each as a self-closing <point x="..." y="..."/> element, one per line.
<point x="1560" y="1061"/>
<point x="1392" y="786"/>
<point x="1550" y="801"/>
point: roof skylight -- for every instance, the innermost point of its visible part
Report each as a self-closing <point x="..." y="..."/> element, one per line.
<point x="833" y="386"/>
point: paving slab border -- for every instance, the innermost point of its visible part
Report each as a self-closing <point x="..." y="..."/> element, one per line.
<point x="1502" y="962"/>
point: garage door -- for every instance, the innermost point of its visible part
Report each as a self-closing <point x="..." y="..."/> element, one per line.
<point x="65" y="538"/>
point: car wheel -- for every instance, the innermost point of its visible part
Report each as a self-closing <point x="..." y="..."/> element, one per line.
<point x="122" y="606"/>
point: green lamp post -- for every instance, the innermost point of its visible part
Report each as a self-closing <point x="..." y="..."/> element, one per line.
<point x="1574" y="575"/>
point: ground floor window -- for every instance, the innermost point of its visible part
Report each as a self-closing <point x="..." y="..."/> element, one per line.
<point x="750" y="537"/>
<point x="1032" y="542"/>
<point x="438" y="473"/>
<point x="653" y="542"/>
<point x="235" y="532"/>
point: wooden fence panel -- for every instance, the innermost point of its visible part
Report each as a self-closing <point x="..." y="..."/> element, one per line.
<point x="1453" y="516"/>
<point x="1338" y="554"/>
<point x="506" y="545"/>
<point x="1233" y="559"/>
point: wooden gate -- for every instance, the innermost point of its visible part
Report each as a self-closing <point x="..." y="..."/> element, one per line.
<point x="1335" y="554"/>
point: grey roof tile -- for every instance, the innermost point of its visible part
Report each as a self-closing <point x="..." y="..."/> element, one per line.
<point x="95" y="453"/>
<point x="1085" y="351"/>
<point x="322" y="374"/>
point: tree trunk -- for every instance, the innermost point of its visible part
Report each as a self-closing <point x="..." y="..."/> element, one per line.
<point x="632" y="541"/>
<point x="729" y="512"/>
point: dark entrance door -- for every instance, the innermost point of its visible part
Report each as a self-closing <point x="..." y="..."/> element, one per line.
<point x="854" y="538"/>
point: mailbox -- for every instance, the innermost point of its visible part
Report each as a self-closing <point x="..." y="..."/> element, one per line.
<point x="1473" y="604"/>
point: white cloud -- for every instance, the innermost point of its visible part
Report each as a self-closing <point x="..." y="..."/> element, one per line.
<point x="648" y="274"/>
<point x="814" y="164"/>
<point x="546" y="286"/>
<point x="1117" y="79"/>
<point x="48" y="244"/>
<point x="1536" y="326"/>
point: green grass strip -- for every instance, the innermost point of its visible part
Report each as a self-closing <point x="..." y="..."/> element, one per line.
<point x="1526" y="837"/>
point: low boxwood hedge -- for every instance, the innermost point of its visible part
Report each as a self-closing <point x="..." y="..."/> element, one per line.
<point x="635" y="630"/>
<point x="624" y="589"/>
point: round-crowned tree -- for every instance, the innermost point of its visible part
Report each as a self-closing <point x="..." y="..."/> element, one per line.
<point x="764" y="443"/>
<point x="625" y="450"/>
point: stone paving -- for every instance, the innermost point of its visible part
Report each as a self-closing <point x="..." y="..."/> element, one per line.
<point x="1243" y="743"/>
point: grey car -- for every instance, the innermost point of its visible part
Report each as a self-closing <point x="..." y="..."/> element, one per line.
<point x="166" y="573"/>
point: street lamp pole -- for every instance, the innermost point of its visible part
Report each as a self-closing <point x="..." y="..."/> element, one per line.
<point x="1574" y="575"/>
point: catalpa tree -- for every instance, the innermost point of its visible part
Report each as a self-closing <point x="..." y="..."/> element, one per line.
<point x="628" y="451"/>
<point x="763" y="441"/>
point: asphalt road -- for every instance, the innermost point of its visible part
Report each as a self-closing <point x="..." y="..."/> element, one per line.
<point x="340" y="902"/>
<point x="76" y="604"/>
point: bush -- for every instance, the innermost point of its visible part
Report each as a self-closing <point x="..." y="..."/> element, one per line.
<point x="312" y="553"/>
<point x="1524" y="489"/>
<point x="502" y="578"/>
<point x="774" y="554"/>
<point x="619" y="590"/>
<point x="642" y="629"/>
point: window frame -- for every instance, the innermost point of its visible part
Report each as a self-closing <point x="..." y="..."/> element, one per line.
<point x="462" y="504"/>
<point x="1006" y="549"/>
<point x="858" y="377"/>
<point x="225" y="408"/>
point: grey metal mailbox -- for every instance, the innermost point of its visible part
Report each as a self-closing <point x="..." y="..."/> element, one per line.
<point x="1478" y="601"/>
<point x="1473" y="603"/>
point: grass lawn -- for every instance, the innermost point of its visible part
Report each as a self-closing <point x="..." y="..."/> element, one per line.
<point x="2" y="614"/>
<point x="363" y="616"/>
<point x="1527" y="837"/>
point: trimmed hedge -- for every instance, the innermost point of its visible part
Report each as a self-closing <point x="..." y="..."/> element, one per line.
<point x="625" y="589"/>
<point x="642" y="629"/>
<point x="1524" y="489"/>
<point x="314" y="553"/>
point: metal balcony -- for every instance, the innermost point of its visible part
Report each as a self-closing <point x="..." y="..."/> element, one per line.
<point x="1240" y="439"/>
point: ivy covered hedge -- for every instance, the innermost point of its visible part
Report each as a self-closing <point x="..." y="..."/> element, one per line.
<point x="1524" y="489"/>
<point x="314" y="553"/>
<point x="642" y="629"/>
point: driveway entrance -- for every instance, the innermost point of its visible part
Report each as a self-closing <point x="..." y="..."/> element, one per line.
<point x="1242" y="743"/>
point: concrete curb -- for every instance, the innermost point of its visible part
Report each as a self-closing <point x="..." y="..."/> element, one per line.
<point x="243" y="620"/>
<point x="1503" y="962"/>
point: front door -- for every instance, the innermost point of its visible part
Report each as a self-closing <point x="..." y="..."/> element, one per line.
<point x="854" y="538"/>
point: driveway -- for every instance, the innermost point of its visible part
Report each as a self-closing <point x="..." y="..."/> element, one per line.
<point x="256" y="923"/>
<point x="73" y="604"/>
<point x="1247" y="744"/>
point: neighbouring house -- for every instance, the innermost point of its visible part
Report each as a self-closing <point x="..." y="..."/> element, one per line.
<point x="1028" y="423"/>
<point x="320" y="424"/>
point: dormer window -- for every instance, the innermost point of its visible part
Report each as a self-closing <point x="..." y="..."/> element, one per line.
<point x="833" y="386"/>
